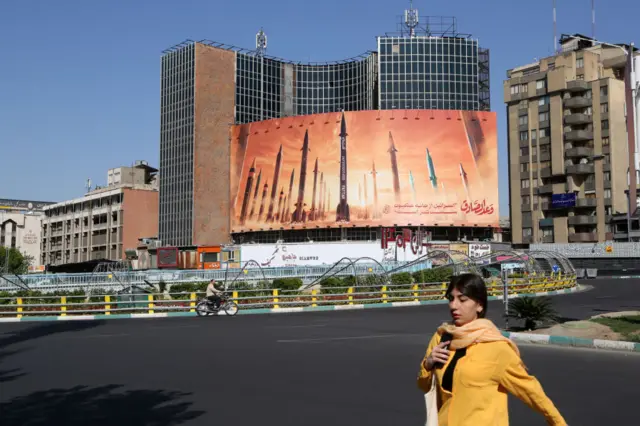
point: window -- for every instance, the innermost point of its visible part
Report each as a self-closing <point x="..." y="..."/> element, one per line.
<point x="547" y="232"/>
<point x="544" y="133"/>
<point x="604" y="91"/>
<point x="524" y="183"/>
<point x="580" y="63"/>
<point x="604" y="108"/>
<point x="605" y="124"/>
<point x="545" y="164"/>
<point x="588" y="94"/>
<point x="515" y="89"/>
<point x="580" y="77"/>
<point x="524" y="136"/>
<point x="526" y="217"/>
<point x="605" y="141"/>
<point x="524" y="88"/>
<point x="524" y="167"/>
<point x="543" y="116"/>
<point x="523" y="120"/>
<point x="541" y="84"/>
<point x="524" y="151"/>
<point x="526" y="199"/>
<point x="606" y="176"/>
<point x="607" y="193"/>
<point x="527" y="232"/>
<point x="543" y="101"/>
<point x="533" y="135"/>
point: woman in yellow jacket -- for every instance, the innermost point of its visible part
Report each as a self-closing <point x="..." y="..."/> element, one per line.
<point x="475" y="365"/>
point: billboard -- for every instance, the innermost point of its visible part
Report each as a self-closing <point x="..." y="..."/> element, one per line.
<point x="563" y="200"/>
<point x="366" y="168"/>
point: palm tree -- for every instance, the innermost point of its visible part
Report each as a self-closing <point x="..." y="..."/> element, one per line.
<point x="532" y="310"/>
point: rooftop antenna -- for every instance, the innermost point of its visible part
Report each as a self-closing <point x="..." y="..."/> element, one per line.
<point x="555" y="29"/>
<point x="593" y="19"/>
<point x="88" y="185"/>
<point x="411" y="19"/>
<point x="261" y="43"/>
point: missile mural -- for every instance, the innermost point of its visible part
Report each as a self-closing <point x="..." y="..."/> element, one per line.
<point x="255" y="196"/>
<point x="274" y="186"/>
<point x="376" y="212"/>
<point x="283" y="217"/>
<point x="247" y="193"/>
<point x="298" y="214"/>
<point x="263" y="201"/>
<point x="342" y="211"/>
<point x="413" y="186"/>
<point x="287" y="214"/>
<point x="313" y="215"/>
<point x="432" y="172"/>
<point x="465" y="182"/>
<point x="394" y="168"/>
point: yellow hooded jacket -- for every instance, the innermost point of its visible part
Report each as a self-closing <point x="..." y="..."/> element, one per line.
<point x="481" y="381"/>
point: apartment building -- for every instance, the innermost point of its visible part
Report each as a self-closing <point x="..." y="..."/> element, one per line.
<point x="104" y="222"/>
<point x="567" y="144"/>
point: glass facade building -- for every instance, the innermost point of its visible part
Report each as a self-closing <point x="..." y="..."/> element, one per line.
<point x="270" y="88"/>
<point x="432" y="73"/>
<point x="177" y="94"/>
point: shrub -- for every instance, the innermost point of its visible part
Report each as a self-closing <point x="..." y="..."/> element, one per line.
<point x="401" y="278"/>
<point x="287" y="283"/>
<point x="532" y="310"/>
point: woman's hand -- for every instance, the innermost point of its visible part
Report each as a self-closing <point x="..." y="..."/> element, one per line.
<point x="439" y="354"/>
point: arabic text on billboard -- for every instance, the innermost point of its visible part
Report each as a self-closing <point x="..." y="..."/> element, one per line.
<point x="367" y="168"/>
<point x="563" y="200"/>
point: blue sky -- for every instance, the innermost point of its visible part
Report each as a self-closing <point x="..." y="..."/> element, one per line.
<point x="79" y="81"/>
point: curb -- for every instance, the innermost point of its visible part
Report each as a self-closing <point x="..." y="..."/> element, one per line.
<point x="615" y="277"/>
<point x="262" y="311"/>
<point x="545" y="339"/>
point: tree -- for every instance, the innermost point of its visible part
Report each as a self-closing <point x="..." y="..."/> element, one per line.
<point x="18" y="263"/>
<point x="532" y="310"/>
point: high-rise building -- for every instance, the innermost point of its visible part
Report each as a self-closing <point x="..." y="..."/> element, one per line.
<point x="433" y="67"/>
<point x="207" y="87"/>
<point x="567" y="144"/>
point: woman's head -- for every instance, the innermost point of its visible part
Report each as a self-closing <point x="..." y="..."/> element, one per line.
<point x="467" y="296"/>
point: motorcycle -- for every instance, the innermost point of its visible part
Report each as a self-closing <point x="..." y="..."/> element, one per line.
<point x="206" y="308"/>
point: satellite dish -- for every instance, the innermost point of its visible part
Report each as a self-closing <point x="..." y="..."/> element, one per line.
<point x="30" y="206"/>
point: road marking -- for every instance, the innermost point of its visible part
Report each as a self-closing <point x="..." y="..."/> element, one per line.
<point x="296" y="326"/>
<point x="331" y="339"/>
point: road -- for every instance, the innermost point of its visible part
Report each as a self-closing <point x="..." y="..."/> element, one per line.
<point x="326" y="368"/>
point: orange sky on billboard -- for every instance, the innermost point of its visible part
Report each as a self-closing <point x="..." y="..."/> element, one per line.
<point x="419" y="167"/>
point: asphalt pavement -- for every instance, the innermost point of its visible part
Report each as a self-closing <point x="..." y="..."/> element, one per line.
<point x="325" y="368"/>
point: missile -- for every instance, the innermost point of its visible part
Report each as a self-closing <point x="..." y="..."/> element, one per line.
<point x="287" y="213"/>
<point x="263" y="201"/>
<point x="394" y="168"/>
<point x="465" y="182"/>
<point x="314" y="214"/>
<point x="274" y="186"/>
<point x="283" y="217"/>
<point x="247" y="193"/>
<point x="376" y="212"/>
<point x="413" y="186"/>
<point x="321" y="213"/>
<point x="366" y="198"/>
<point x="298" y="214"/>
<point x="255" y="196"/>
<point x="279" y="204"/>
<point x="432" y="171"/>
<point x="342" y="211"/>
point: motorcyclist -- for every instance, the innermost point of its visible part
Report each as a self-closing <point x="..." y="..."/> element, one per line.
<point x="214" y="294"/>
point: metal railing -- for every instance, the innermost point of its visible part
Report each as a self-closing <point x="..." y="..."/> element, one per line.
<point x="87" y="304"/>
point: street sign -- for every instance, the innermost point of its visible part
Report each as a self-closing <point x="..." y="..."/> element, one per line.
<point x="556" y="268"/>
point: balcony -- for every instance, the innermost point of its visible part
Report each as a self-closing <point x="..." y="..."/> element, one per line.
<point x="577" y="86"/>
<point x="577" y="102"/>
<point x="582" y="220"/>
<point x="577" y="119"/>
<point x="546" y="140"/>
<point x="545" y="189"/>
<point x="524" y="144"/>
<point x="578" y="135"/>
<point x="579" y="152"/>
<point x="545" y="223"/>
<point x="589" y="186"/>
<point x="583" y="237"/>
<point x="547" y="239"/>
<point x="580" y="169"/>
<point x="527" y="240"/>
